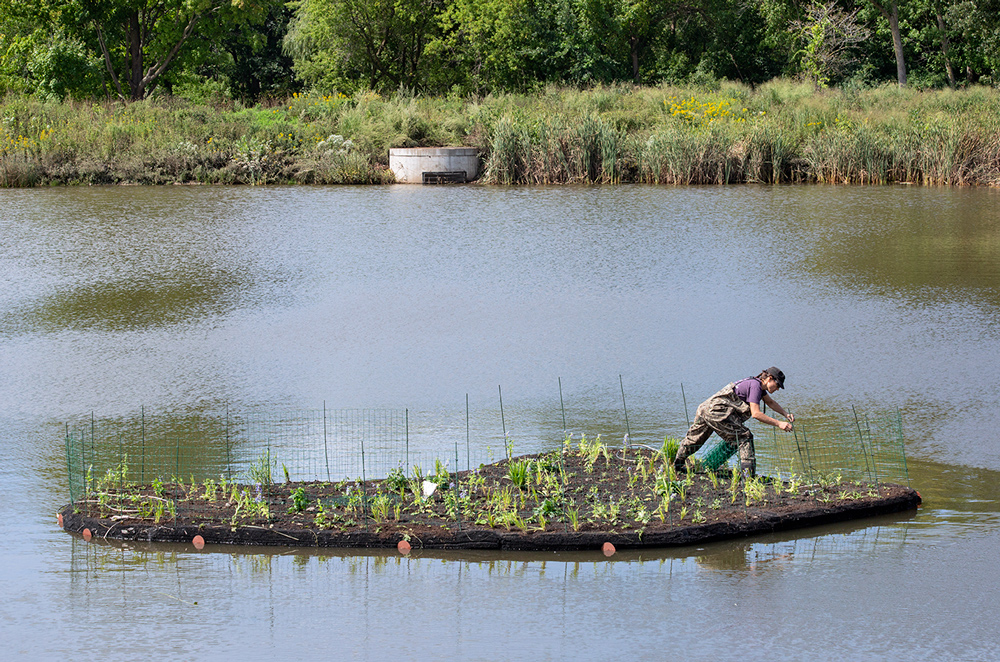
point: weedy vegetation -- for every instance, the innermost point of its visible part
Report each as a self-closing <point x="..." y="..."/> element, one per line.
<point x="585" y="486"/>
<point x="722" y="133"/>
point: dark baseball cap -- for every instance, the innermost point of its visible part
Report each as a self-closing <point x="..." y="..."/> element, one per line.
<point x="778" y="375"/>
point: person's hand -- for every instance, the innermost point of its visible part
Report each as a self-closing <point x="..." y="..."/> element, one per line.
<point x="790" y="417"/>
<point x="785" y="425"/>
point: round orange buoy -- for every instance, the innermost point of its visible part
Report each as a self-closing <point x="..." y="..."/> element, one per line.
<point x="608" y="549"/>
<point x="60" y="520"/>
<point x="403" y="547"/>
<point x="87" y="535"/>
<point x="198" y="542"/>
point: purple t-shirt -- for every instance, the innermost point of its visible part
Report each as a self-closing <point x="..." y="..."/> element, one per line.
<point x="749" y="390"/>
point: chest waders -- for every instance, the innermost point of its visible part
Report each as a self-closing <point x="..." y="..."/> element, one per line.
<point x="724" y="414"/>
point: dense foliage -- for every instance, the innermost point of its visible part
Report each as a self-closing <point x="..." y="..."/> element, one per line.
<point x="779" y="131"/>
<point x="253" y="49"/>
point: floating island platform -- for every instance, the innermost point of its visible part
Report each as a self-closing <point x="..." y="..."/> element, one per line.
<point x="575" y="498"/>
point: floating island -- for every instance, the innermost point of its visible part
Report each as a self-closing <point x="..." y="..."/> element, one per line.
<point x="574" y="498"/>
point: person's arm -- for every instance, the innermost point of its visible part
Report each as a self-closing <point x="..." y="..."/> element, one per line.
<point x="772" y="403"/>
<point x="764" y="418"/>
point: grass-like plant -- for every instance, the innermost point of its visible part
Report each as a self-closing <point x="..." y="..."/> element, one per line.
<point x="261" y="471"/>
<point x="517" y="472"/>
<point x="669" y="449"/>
<point x="592" y="450"/>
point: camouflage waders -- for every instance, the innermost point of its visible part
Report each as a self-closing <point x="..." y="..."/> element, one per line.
<point x="725" y="414"/>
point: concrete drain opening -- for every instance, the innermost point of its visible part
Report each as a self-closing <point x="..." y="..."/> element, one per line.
<point x="449" y="177"/>
<point x="434" y="165"/>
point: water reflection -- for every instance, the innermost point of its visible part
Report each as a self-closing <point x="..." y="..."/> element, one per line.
<point x="859" y="538"/>
<point x="132" y="305"/>
<point x="940" y="244"/>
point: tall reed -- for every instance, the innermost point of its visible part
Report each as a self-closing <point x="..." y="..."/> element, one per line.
<point x="782" y="131"/>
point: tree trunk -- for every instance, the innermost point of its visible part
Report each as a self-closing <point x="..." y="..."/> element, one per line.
<point x="890" y="11"/>
<point x="897" y="45"/>
<point x="945" y="47"/>
<point x="634" y="44"/>
<point x="135" y="85"/>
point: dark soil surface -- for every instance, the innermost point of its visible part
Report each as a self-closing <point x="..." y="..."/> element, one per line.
<point x="579" y="498"/>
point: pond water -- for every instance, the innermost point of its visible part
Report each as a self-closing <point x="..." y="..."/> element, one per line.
<point x="187" y="300"/>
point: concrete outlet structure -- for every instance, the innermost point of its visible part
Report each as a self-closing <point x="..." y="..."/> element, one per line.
<point x="433" y="165"/>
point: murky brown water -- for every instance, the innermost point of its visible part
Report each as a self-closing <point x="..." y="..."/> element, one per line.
<point x="184" y="301"/>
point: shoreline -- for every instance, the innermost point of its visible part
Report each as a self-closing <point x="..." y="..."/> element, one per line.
<point x="728" y="133"/>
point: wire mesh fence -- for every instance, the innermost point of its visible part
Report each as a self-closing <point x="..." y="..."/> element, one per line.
<point x="367" y="444"/>
<point x="238" y="447"/>
<point x="866" y="449"/>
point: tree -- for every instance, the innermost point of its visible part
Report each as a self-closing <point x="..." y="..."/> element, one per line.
<point x="977" y="22"/>
<point x="40" y="54"/>
<point x="251" y="58"/>
<point x="828" y="36"/>
<point x="336" y="43"/>
<point x="139" y="40"/>
<point x="890" y="12"/>
<point x="945" y="44"/>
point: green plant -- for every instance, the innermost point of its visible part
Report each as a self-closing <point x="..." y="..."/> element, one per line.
<point x="157" y="487"/>
<point x="734" y="485"/>
<point x="355" y="499"/>
<point x="299" y="500"/>
<point x="643" y="515"/>
<point x="574" y="517"/>
<point x="416" y="485"/>
<point x="670" y="448"/>
<point x="261" y="471"/>
<point x="517" y="472"/>
<point x="146" y="507"/>
<point x="324" y="519"/>
<point x="592" y="450"/>
<point x="754" y="490"/>
<point x="396" y="480"/>
<point x="663" y="510"/>
<point x="547" y="508"/>
<point x="209" y="487"/>
<point x="830" y="479"/>
<point x="380" y="505"/>
<point x="613" y="509"/>
<point x="118" y="475"/>
<point x="441" y="476"/>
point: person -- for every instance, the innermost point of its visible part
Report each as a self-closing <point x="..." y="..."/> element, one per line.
<point x="726" y="412"/>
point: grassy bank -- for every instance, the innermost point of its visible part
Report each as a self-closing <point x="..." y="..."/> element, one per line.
<point x="778" y="132"/>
